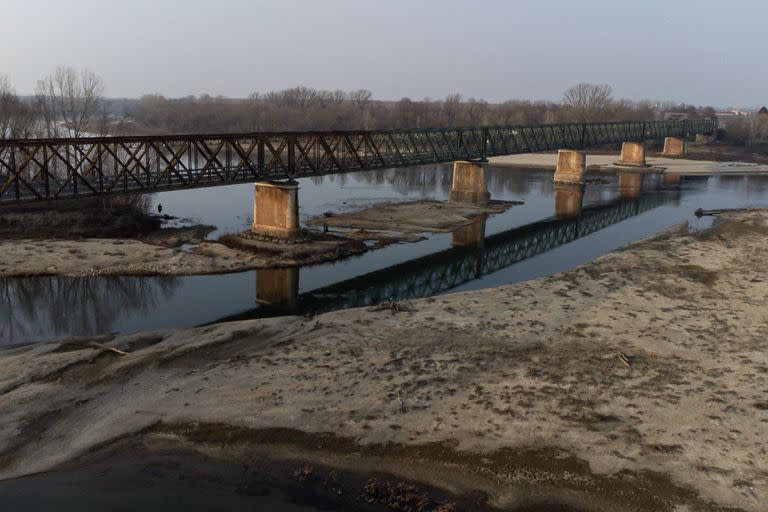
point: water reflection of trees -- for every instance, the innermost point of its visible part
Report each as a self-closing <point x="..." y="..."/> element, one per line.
<point x="43" y="307"/>
<point x="428" y="180"/>
<point x="435" y="180"/>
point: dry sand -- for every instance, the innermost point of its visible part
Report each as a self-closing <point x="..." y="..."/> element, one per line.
<point x="519" y="392"/>
<point x="671" y="165"/>
<point x="110" y="256"/>
<point x="423" y="216"/>
<point x="152" y="255"/>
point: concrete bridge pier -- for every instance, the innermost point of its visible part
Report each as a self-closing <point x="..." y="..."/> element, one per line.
<point x="630" y="184"/>
<point x="571" y="166"/>
<point x="674" y="146"/>
<point x="276" y="209"/>
<point x="671" y="180"/>
<point x="278" y="288"/>
<point x="472" y="234"/>
<point x="468" y="184"/>
<point x="632" y="155"/>
<point x="568" y="199"/>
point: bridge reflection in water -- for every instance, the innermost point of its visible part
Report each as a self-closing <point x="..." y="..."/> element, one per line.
<point x="471" y="256"/>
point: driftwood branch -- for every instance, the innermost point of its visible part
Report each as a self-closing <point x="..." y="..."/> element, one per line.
<point x="394" y="307"/>
<point x="700" y="212"/>
<point x="624" y="359"/>
<point x="96" y="344"/>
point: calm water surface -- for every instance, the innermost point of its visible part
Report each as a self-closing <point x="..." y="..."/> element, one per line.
<point x="526" y="242"/>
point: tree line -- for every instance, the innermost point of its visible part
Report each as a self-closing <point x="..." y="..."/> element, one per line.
<point x="70" y="103"/>
<point x="304" y="108"/>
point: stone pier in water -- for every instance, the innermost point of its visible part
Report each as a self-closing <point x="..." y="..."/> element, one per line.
<point x="276" y="209"/>
<point x="571" y="166"/>
<point x="632" y="155"/>
<point x="468" y="184"/>
<point x="674" y="146"/>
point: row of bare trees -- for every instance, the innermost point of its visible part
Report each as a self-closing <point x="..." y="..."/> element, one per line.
<point x="67" y="103"/>
<point x="303" y="108"/>
<point x="70" y="103"/>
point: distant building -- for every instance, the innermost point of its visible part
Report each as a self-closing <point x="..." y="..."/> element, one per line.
<point x="675" y="116"/>
<point x="726" y="116"/>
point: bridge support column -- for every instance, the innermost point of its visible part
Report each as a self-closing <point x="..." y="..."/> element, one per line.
<point x="468" y="185"/>
<point x="674" y="146"/>
<point x="472" y="234"/>
<point x="671" y="180"/>
<point x="276" y="209"/>
<point x="568" y="199"/>
<point x="632" y="154"/>
<point x="630" y="184"/>
<point x="278" y="288"/>
<point x="571" y="166"/>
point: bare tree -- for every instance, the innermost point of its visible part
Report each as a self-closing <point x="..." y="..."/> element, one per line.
<point x="17" y="119"/>
<point x="337" y="96"/>
<point x="360" y="99"/>
<point x="452" y="108"/>
<point x="70" y="103"/>
<point x="588" y="102"/>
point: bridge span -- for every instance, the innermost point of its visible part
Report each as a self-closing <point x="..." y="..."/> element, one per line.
<point x="48" y="169"/>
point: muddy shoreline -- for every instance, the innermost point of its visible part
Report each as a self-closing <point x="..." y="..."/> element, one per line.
<point x="635" y="382"/>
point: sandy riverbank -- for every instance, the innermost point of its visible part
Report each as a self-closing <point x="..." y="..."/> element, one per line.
<point x="184" y="251"/>
<point x="671" y="165"/>
<point x="636" y="382"/>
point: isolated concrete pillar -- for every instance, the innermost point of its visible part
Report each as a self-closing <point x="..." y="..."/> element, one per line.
<point x="568" y="199"/>
<point x="632" y="154"/>
<point x="472" y="234"/>
<point x="571" y="166"/>
<point x="468" y="185"/>
<point x="671" y="180"/>
<point x="674" y="146"/>
<point x="276" y="209"/>
<point x="278" y="288"/>
<point x="630" y="184"/>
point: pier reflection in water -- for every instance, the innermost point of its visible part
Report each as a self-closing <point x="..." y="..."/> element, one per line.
<point x="568" y="199"/>
<point x="557" y="228"/>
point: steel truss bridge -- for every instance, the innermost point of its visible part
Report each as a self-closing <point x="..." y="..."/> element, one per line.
<point x="442" y="271"/>
<point x="46" y="169"/>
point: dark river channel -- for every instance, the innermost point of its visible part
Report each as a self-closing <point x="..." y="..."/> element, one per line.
<point x="526" y="242"/>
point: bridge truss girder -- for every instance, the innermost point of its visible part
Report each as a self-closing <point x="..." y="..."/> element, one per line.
<point x="46" y="169"/>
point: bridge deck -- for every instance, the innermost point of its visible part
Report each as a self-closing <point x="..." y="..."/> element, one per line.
<point x="46" y="169"/>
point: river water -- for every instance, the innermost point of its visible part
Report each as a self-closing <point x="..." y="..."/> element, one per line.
<point x="540" y="237"/>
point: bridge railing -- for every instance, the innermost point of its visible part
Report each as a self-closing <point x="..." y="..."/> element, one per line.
<point x="44" y="169"/>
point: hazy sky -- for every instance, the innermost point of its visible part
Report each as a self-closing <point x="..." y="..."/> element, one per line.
<point x="702" y="51"/>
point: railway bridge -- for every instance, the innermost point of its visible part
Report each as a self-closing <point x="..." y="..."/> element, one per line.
<point x="51" y="169"/>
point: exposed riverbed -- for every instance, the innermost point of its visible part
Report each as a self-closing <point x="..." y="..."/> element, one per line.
<point x="635" y="382"/>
